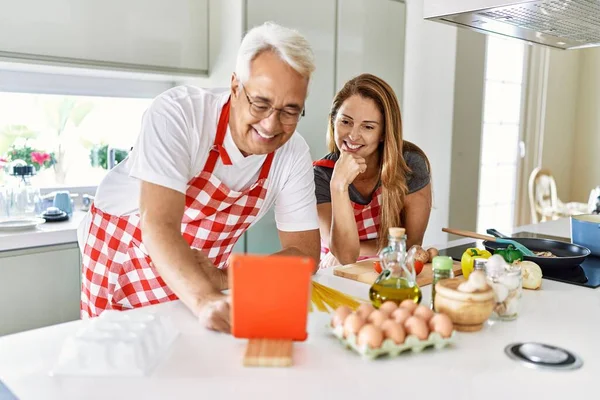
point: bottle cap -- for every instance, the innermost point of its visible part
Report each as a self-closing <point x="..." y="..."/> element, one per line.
<point x="442" y="263"/>
<point x="479" y="263"/>
<point x="397" y="232"/>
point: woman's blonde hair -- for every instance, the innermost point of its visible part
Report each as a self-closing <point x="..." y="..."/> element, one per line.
<point x="393" y="168"/>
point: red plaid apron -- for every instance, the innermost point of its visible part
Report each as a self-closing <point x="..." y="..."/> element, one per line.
<point x="117" y="270"/>
<point x="366" y="216"/>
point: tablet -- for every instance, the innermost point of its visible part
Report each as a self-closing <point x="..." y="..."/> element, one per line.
<point x="270" y="296"/>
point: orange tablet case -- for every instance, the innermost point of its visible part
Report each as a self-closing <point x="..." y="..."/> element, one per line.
<point x="270" y="296"/>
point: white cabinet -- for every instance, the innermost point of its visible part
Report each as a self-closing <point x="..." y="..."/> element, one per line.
<point x="140" y="35"/>
<point x="39" y="287"/>
<point x="371" y="39"/>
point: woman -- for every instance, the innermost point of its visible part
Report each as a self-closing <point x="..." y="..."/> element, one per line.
<point x="371" y="180"/>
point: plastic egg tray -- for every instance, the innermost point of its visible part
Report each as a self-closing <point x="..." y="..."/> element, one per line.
<point x="116" y="344"/>
<point x="391" y="349"/>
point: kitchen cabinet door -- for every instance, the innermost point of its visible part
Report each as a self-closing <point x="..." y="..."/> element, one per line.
<point x="168" y="37"/>
<point x="371" y="39"/>
<point x="315" y="19"/>
<point x="39" y="287"/>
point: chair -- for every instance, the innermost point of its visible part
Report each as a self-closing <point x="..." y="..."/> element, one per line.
<point x="543" y="198"/>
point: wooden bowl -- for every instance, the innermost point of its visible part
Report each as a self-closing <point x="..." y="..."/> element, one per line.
<point x="468" y="311"/>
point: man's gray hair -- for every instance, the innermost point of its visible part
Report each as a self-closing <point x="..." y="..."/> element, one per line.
<point x="289" y="44"/>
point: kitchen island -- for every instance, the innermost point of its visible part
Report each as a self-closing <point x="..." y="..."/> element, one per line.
<point x="207" y="365"/>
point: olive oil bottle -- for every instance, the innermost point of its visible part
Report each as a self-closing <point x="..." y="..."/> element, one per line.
<point x="398" y="280"/>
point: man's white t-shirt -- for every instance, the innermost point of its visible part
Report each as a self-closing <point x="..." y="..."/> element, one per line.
<point x="177" y="133"/>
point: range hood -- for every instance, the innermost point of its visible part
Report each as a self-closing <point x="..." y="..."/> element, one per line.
<point x="563" y="24"/>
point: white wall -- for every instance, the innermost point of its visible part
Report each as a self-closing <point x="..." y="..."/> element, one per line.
<point x="586" y="156"/>
<point x="467" y="129"/>
<point x="572" y="124"/>
<point x="560" y="118"/>
<point x="428" y="104"/>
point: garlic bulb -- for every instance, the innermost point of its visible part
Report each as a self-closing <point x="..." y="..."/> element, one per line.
<point x="478" y="281"/>
<point x="532" y="274"/>
<point x="495" y="265"/>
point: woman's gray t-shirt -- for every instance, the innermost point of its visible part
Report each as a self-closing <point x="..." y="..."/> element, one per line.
<point x="416" y="180"/>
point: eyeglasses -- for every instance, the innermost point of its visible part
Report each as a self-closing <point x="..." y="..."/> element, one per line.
<point x="262" y="110"/>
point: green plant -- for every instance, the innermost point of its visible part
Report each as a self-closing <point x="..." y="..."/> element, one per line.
<point x="99" y="156"/>
<point x="38" y="158"/>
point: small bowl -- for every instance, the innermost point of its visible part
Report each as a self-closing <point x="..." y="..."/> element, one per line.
<point x="468" y="311"/>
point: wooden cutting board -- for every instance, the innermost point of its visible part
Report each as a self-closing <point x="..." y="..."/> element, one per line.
<point x="363" y="271"/>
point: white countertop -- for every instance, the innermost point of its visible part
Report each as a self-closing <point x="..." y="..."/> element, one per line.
<point x="206" y="365"/>
<point x="47" y="234"/>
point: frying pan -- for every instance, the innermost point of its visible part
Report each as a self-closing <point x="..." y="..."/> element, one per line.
<point x="568" y="255"/>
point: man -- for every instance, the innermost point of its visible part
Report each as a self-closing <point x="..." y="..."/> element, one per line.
<point x="206" y="166"/>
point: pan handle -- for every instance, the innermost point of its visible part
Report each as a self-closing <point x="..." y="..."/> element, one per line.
<point x="497" y="234"/>
<point x="469" y="234"/>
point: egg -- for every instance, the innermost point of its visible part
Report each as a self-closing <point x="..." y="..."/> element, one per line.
<point x="377" y="317"/>
<point x="400" y="315"/>
<point x="388" y="307"/>
<point x="371" y="336"/>
<point x="352" y="324"/>
<point x="393" y="330"/>
<point x="409" y="305"/>
<point x="364" y="310"/>
<point x="339" y="316"/>
<point x="417" y="327"/>
<point x="442" y="324"/>
<point x="387" y="323"/>
<point x="423" y="312"/>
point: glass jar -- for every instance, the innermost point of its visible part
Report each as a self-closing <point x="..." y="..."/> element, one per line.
<point x="23" y="196"/>
<point x="508" y="286"/>
<point x="4" y="202"/>
<point x="442" y="269"/>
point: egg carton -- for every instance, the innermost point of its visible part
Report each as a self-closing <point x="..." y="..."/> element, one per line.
<point x="389" y="348"/>
<point x="117" y="344"/>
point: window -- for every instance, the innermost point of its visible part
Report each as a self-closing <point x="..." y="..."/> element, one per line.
<point x="504" y="86"/>
<point x="66" y="130"/>
<point x="66" y="138"/>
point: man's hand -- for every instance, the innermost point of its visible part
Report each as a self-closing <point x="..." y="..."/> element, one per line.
<point x="214" y="312"/>
<point x="217" y="277"/>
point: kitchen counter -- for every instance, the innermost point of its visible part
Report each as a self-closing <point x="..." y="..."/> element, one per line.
<point x="205" y="364"/>
<point x="47" y="234"/>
